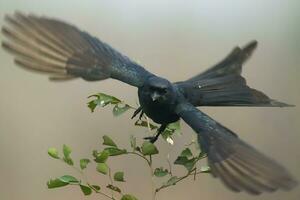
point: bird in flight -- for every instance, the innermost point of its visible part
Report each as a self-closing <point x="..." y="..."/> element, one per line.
<point x="64" y="52"/>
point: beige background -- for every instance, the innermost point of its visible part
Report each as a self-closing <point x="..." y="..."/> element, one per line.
<point x="175" y="39"/>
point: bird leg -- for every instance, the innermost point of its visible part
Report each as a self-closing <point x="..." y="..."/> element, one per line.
<point x="141" y="115"/>
<point x="137" y="111"/>
<point x="161" y="129"/>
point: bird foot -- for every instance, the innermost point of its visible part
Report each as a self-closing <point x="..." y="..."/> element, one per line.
<point x="139" y="110"/>
<point x="151" y="139"/>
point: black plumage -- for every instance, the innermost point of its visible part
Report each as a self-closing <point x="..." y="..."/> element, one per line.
<point x="64" y="52"/>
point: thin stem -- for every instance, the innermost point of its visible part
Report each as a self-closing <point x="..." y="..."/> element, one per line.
<point x="191" y="172"/>
<point x="169" y="163"/>
<point x="137" y="154"/>
<point x="195" y="174"/>
<point x="178" y="180"/>
<point x="87" y="182"/>
<point x="76" y="169"/>
<point x="111" y="181"/>
<point x="99" y="192"/>
<point x="153" y="193"/>
<point x="149" y="163"/>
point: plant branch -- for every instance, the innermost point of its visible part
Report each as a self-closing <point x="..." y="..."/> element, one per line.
<point x="178" y="180"/>
<point x="99" y="192"/>
<point x="169" y="163"/>
<point x="142" y="156"/>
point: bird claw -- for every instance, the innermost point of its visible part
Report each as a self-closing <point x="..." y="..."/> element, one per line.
<point x="137" y="111"/>
<point x="151" y="139"/>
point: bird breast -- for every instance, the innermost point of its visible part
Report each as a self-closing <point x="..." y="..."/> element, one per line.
<point x="161" y="113"/>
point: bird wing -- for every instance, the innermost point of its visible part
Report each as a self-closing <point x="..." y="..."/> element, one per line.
<point x="237" y="164"/>
<point x="223" y="85"/>
<point x="65" y="52"/>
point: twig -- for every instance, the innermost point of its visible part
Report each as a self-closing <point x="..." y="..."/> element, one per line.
<point x="142" y="156"/>
<point x="169" y="163"/>
<point x="178" y="180"/>
<point x="152" y="180"/>
<point x="99" y="192"/>
<point x="111" y="181"/>
<point x="87" y="182"/>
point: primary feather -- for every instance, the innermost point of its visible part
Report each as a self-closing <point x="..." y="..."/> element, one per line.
<point x="64" y="52"/>
<point x="237" y="164"/>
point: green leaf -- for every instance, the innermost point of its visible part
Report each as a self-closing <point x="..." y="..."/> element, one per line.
<point x="114" y="188"/>
<point x="102" y="168"/>
<point x="201" y="155"/>
<point x="95" y="187"/>
<point x="86" y="190"/>
<point x="187" y="153"/>
<point x="167" y="133"/>
<point x="174" y="126"/>
<point x="84" y="162"/>
<point x="133" y="142"/>
<point x="172" y="181"/>
<point x="67" y="151"/>
<point x="102" y="157"/>
<point x="102" y="100"/>
<point x="190" y="165"/>
<point x="145" y="124"/>
<point x="120" y="108"/>
<point x="53" y="153"/>
<point x="128" y="197"/>
<point x="187" y="163"/>
<point x="138" y="149"/>
<point x="205" y="169"/>
<point x="92" y="105"/>
<point x="170" y="130"/>
<point x="108" y="141"/>
<point x="69" y="161"/>
<point x="95" y="153"/>
<point x="148" y="148"/>
<point x="55" y="183"/>
<point x="160" y="172"/>
<point x="113" y="151"/>
<point x="181" y="160"/>
<point x="68" y="179"/>
<point x="119" y="176"/>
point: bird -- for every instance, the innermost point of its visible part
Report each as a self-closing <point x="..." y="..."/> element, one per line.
<point x="64" y="52"/>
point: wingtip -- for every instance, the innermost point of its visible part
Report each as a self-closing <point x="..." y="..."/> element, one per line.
<point x="5" y="45"/>
<point x="276" y="103"/>
<point x="251" y="45"/>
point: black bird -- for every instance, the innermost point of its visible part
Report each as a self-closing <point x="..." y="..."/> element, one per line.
<point x="64" y="52"/>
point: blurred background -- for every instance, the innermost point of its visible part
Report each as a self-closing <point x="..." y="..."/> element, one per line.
<point x="175" y="39"/>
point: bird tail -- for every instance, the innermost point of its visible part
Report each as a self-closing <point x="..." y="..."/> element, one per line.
<point x="223" y="85"/>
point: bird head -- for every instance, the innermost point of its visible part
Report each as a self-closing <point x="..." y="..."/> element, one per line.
<point x="159" y="90"/>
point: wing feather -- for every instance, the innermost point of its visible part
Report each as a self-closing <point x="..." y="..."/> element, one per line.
<point x="237" y="164"/>
<point x="223" y="85"/>
<point x="64" y="52"/>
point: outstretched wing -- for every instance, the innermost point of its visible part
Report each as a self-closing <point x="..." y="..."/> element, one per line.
<point x="237" y="164"/>
<point x="65" y="52"/>
<point x="223" y="85"/>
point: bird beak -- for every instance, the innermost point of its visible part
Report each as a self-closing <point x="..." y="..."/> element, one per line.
<point x="155" y="96"/>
